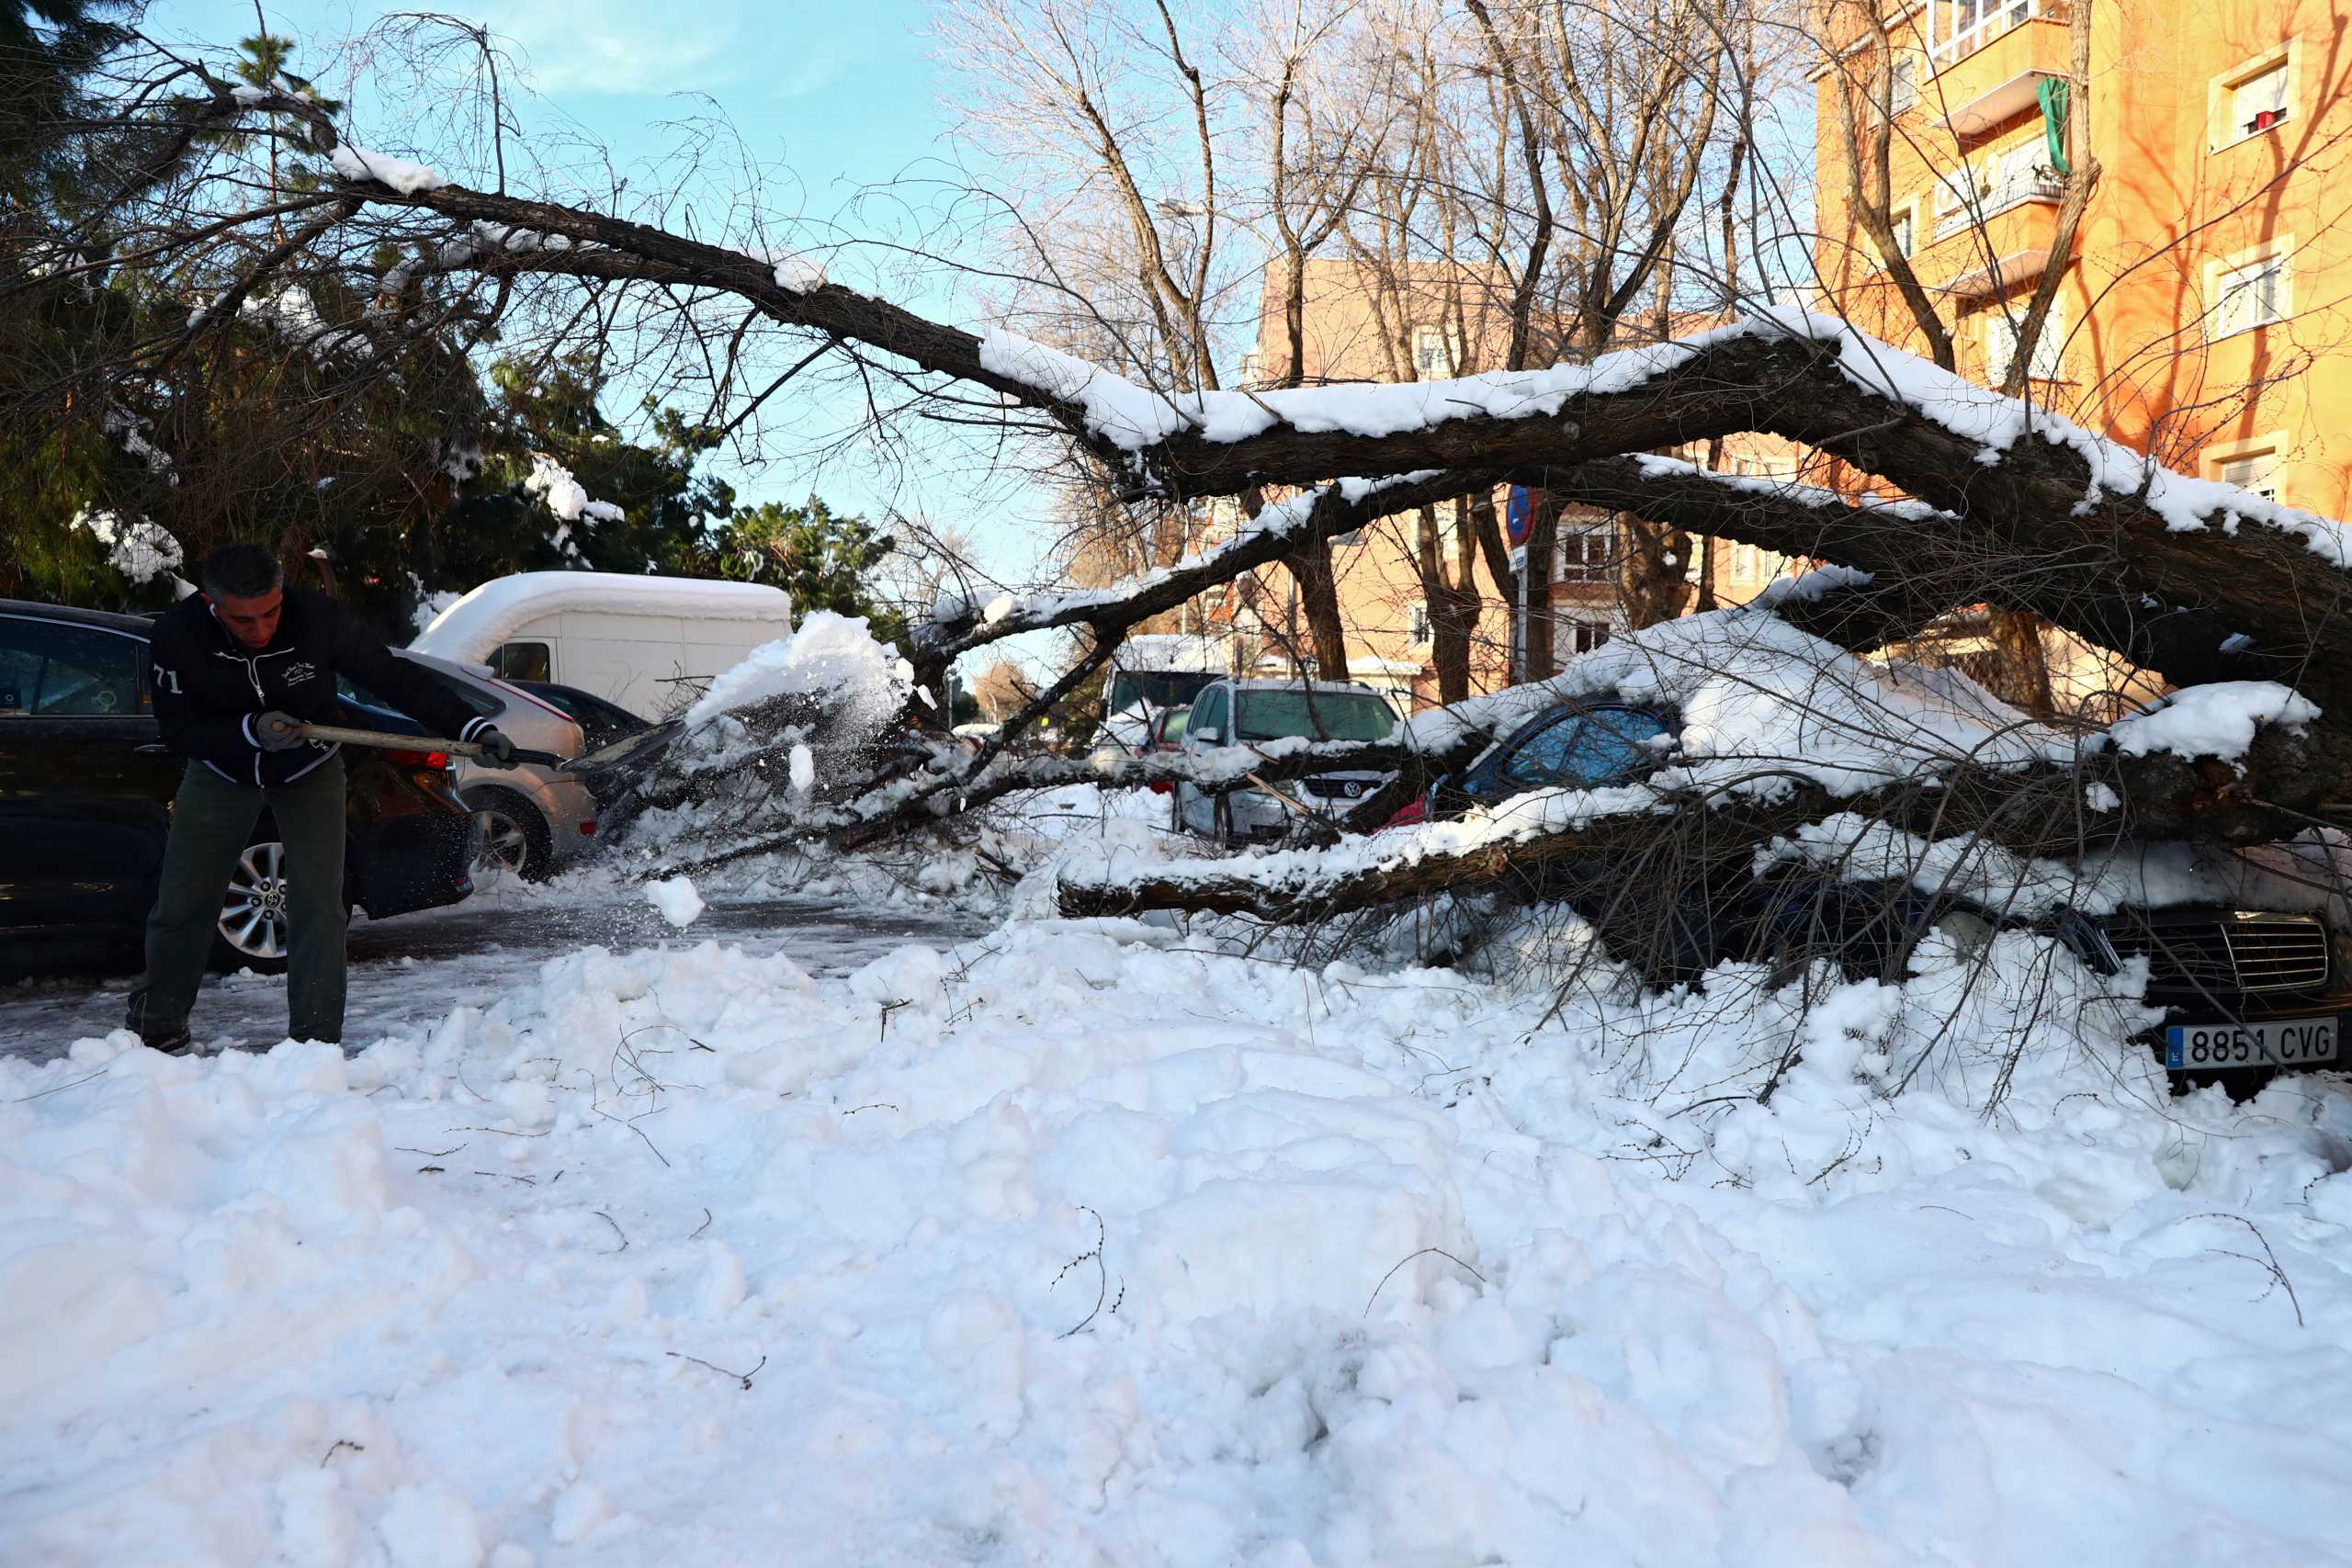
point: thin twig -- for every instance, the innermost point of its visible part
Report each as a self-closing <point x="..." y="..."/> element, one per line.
<point x="702" y="1227"/>
<point x="1408" y="1258"/>
<point x="60" y="1088"/>
<point x="2269" y="1261"/>
<point x="743" y="1378"/>
<point x="341" y="1444"/>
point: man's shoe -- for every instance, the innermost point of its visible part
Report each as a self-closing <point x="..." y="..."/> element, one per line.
<point x="178" y="1043"/>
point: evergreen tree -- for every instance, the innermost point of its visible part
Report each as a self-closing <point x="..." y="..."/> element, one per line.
<point x="823" y="560"/>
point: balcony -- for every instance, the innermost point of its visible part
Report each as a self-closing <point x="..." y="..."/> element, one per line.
<point x="1960" y="28"/>
<point x="2017" y="188"/>
<point x="1989" y="72"/>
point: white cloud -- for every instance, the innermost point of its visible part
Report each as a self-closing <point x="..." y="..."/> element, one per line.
<point x="626" y="46"/>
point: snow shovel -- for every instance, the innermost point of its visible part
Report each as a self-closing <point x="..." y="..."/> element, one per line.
<point x="384" y="741"/>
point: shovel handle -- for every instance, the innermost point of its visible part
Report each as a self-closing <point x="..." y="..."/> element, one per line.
<point x="383" y="740"/>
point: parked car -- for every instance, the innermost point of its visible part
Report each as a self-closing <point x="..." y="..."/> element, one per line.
<point x="1242" y="711"/>
<point x="534" y="817"/>
<point x="2241" y="988"/>
<point x="85" y="794"/>
<point x="1166" y="735"/>
<point x="601" y="722"/>
<point x="1155" y="671"/>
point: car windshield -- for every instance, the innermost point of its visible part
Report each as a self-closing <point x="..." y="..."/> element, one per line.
<point x="1318" y="715"/>
<point x="1172" y="729"/>
<point x="1156" y="688"/>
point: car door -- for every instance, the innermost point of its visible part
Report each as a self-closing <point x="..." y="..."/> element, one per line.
<point x="1197" y="811"/>
<point x="85" y="786"/>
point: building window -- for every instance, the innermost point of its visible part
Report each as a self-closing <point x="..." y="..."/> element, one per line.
<point x="1957" y="28"/>
<point x="2001" y="324"/>
<point x="1903" y="234"/>
<point x="1583" y="636"/>
<point x="2257" y="471"/>
<point x="1588" y="555"/>
<point x="2251" y="98"/>
<point x="2260" y="101"/>
<point x="2255" y="294"/>
<point x="1420" y="628"/>
<point x="1902" y="86"/>
<point x="1436" y="352"/>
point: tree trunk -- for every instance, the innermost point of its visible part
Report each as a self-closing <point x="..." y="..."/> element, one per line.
<point x="1652" y="560"/>
<point x="1319" y="599"/>
<point x="1539" y="647"/>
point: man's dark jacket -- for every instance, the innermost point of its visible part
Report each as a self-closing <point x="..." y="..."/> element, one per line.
<point x="208" y="686"/>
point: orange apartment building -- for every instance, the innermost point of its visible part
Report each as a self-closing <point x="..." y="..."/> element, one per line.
<point x="2200" y="315"/>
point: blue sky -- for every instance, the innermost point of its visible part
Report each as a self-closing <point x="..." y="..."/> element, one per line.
<point x="843" y="96"/>
<point x="844" y="93"/>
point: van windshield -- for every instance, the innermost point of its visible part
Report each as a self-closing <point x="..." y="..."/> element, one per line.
<point x="1156" y="688"/>
<point x="1318" y="715"/>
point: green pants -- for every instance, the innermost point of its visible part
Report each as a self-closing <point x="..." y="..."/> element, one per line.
<point x="213" y="822"/>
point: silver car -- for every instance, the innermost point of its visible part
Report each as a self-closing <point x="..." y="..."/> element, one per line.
<point x="1240" y="713"/>
<point x="532" y="818"/>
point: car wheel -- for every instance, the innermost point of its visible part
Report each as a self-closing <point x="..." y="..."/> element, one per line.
<point x="251" y="930"/>
<point x="513" y="835"/>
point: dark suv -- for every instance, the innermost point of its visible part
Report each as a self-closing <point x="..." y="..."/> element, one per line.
<point x="85" y="792"/>
<point x="2241" y="989"/>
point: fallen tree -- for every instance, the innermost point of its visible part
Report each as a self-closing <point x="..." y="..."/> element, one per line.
<point x="2007" y="505"/>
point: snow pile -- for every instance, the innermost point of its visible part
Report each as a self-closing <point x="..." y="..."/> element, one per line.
<point x="676" y="898"/>
<point x="400" y="174"/>
<point x="2214" y="721"/>
<point x="565" y="496"/>
<point x="791" y="269"/>
<point x="829" y="658"/>
<point x="291" y="313"/>
<point x="1081" y="1247"/>
<point x="142" y="551"/>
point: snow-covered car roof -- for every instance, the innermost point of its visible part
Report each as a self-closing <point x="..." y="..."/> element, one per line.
<point x="1171" y="651"/>
<point x="472" y="628"/>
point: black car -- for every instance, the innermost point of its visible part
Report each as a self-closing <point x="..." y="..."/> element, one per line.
<point x="2241" y="989"/>
<point x="601" y="722"/>
<point x="85" y="794"/>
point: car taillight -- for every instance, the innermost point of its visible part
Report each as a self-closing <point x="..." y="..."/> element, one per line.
<point x="587" y="826"/>
<point x="419" y="759"/>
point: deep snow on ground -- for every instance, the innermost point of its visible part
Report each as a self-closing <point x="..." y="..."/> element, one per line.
<point x="1092" y="1243"/>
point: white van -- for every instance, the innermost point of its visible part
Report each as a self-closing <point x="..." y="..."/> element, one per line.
<point x="1153" y="672"/>
<point x="649" y="644"/>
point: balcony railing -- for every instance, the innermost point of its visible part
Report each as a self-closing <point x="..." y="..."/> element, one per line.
<point x="1957" y="28"/>
<point x="2040" y="183"/>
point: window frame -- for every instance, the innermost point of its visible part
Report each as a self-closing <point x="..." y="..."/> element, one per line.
<point x="142" y="705"/>
<point x="2277" y="254"/>
<point x="1999" y="317"/>
<point x="2270" y="445"/>
<point x="2224" y="130"/>
<point x="1449" y="344"/>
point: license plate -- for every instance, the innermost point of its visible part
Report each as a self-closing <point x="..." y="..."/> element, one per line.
<point x="2275" y="1042"/>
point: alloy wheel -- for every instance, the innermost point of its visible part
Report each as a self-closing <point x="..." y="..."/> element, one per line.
<point x="504" y="845"/>
<point x="253" y="915"/>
